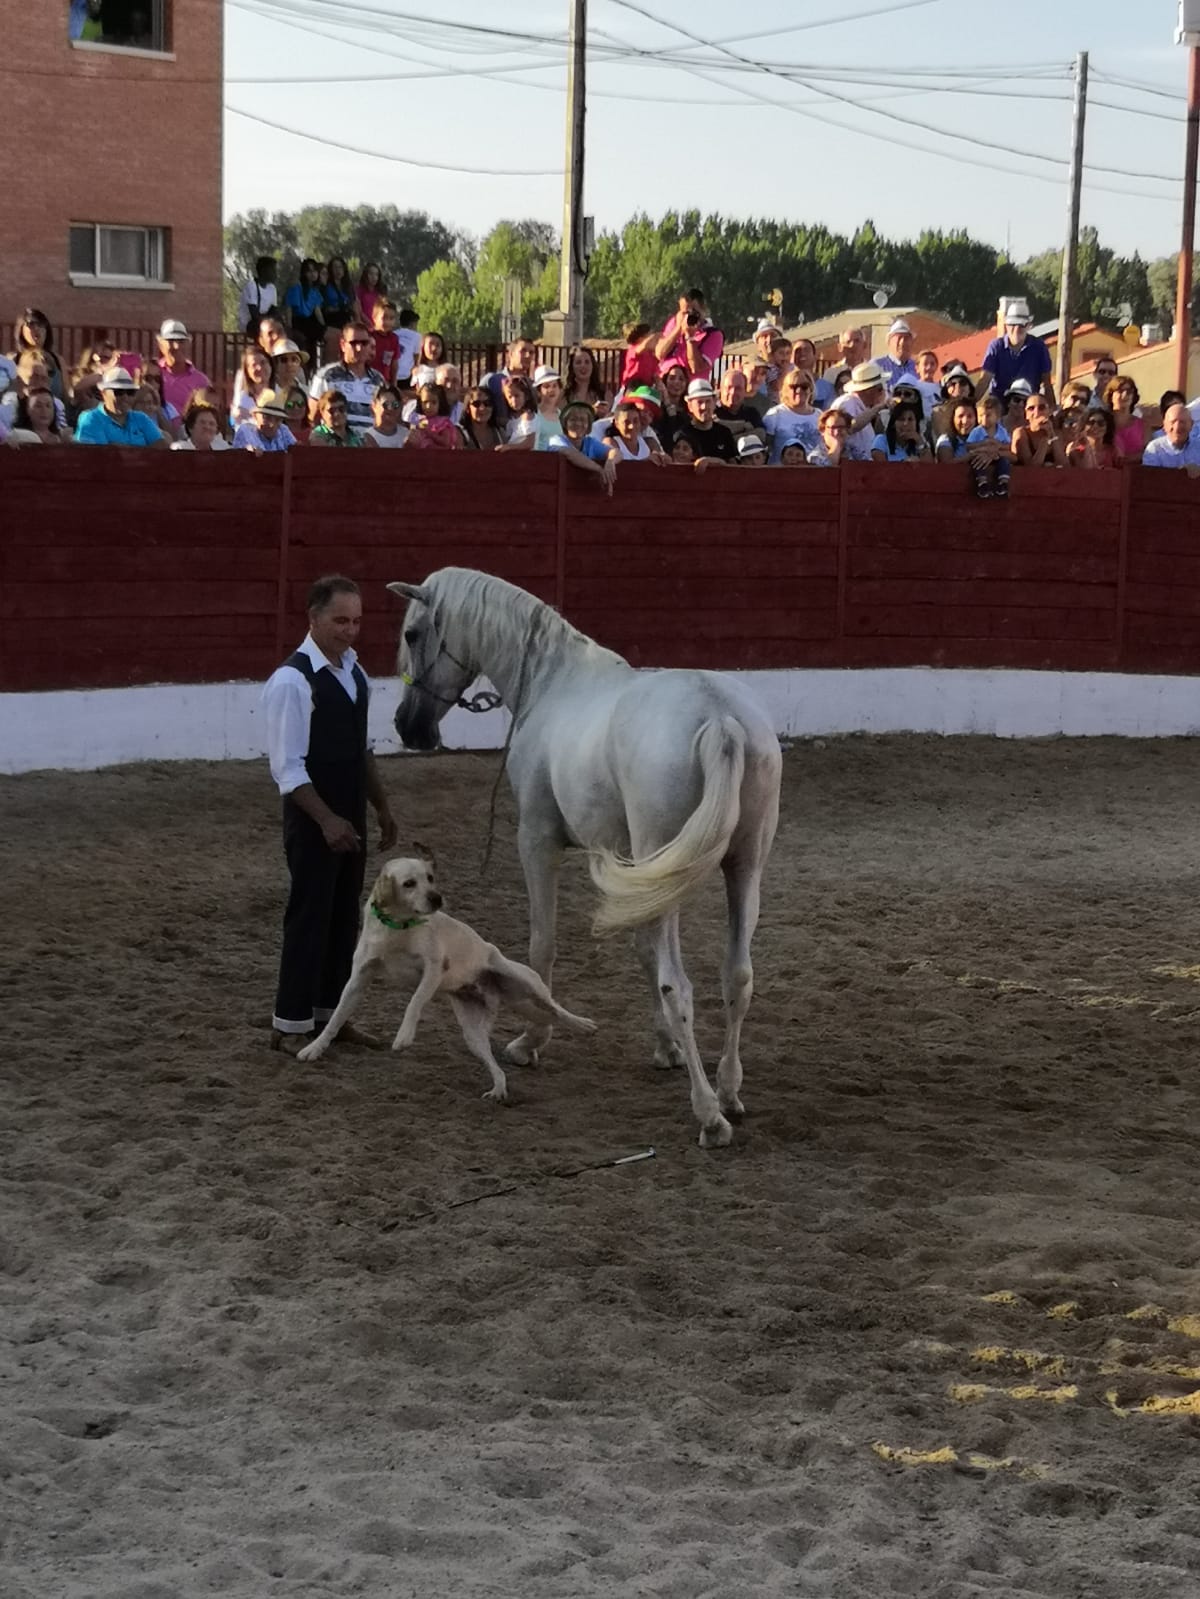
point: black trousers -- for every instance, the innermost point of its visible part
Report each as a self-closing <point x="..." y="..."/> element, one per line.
<point x="320" y="924"/>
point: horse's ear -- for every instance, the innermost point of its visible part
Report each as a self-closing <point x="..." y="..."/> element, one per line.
<point x="411" y="591"/>
<point x="425" y="854"/>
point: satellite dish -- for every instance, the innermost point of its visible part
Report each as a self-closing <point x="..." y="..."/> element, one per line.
<point x="879" y="299"/>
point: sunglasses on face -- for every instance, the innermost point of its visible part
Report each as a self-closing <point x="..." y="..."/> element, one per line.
<point x="389" y="405"/>
<point x="476" y="404"/>
<point x="357" y="344"/>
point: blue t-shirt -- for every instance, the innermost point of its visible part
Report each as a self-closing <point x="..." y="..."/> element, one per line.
<point x="97" y="427"/>
<point x="301" y="300"/>
<point x="337" y="299"/>
<point x="980" y="435"/>
<point x="1006" y="365"/>
<point x="590" y="447"/>
<point x="958" y="446"/>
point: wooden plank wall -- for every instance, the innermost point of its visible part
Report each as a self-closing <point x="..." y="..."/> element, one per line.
<point x="121" y="567"/>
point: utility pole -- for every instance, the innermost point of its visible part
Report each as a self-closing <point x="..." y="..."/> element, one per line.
<point x="1189" y="34"/>
<point x="565" y="325"/>
<point x="1070" y="262"/>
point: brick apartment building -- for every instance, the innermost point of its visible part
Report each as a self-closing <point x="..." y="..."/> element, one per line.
<point x="110" y="215"/>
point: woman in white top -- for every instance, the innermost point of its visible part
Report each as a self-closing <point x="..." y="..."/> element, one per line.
<point x="36" y="421"/>
<point x="624" y="439"/>
<point x="388" y="431"/>
<point x="254" y="375"/>
<point x="202" y="430"/>
<point x="794" y="419"/>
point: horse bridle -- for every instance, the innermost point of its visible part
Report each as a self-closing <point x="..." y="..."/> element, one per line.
<point x="478" y="704"/>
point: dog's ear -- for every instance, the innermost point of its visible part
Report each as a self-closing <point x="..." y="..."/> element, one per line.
<point x="423" y="853"/>
<point x="384" y="892"/>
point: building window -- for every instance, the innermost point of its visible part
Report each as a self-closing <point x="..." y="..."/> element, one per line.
<point x="104" y="254"/>
<point x="121" y="24"/>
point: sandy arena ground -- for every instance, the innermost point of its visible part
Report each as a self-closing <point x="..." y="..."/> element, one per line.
<point x="249" y="1347"/>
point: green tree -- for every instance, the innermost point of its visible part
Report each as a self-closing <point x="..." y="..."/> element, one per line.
<point x="446" y="301"/>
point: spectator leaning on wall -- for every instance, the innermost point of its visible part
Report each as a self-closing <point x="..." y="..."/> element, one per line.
<point x="1178" y="445"/>
<point x="115" y="421"/>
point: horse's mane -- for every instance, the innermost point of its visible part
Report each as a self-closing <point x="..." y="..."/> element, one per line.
<point x="498" y="617"/>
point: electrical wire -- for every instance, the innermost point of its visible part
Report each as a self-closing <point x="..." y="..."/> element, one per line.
<point x="402" y="160"/>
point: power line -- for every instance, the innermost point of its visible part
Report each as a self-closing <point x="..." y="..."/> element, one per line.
<point x="895" y="116"/>
<point x="402" y="160"/>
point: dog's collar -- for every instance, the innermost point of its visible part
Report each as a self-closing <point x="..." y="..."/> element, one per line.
<point x="397" y="927"/>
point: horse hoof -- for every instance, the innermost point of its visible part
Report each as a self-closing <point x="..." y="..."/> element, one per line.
<point x="733" y="1108"/>
<point x="518" y="1054"/>
<point x="668" y="1058"/>
<point x="716" y="1135"/>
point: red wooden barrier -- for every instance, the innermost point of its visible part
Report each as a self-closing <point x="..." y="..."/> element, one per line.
<point x="121" y="567"/>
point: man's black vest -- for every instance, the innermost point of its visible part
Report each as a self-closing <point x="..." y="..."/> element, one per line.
<point x="337" y="738"/>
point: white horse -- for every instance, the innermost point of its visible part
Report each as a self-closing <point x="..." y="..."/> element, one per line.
<point x="661" y="776"/>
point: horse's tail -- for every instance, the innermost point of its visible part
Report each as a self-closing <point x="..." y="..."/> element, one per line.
<point x="641" y="891"/>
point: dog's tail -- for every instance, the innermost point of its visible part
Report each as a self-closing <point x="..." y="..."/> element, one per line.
<point x="641" y="891"/>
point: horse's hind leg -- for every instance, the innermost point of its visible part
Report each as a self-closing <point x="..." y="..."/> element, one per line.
<point x="676" y="993"/>
<point x="737" y="974"/>
<point x="667" y="1052"/>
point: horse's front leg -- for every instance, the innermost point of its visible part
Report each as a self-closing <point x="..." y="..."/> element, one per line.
<point x="541" y="852"/>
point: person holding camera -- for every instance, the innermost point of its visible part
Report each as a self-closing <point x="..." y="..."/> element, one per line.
<point x="690" y="337"/>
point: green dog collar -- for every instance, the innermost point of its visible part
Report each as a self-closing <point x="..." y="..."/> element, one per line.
<point x="390" y="921"/>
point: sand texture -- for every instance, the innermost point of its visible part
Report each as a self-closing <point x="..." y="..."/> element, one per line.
<point x="930" y="1327"/>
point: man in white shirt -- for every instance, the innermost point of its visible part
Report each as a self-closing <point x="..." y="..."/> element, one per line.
<point x="316" y="709"/>
<point x="864" y="401"/>
<point x="259" y="295"/>
<point x="1178" y="446"/>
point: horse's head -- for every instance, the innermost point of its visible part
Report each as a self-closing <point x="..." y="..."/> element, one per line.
<point x="434" y="679"/>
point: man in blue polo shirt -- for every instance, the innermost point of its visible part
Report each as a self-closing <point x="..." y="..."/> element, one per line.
<point x="115" y="421"/>
<point x="1017" y="355"/>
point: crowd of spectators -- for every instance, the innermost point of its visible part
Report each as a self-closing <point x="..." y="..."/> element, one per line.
<point x="336" y="364"/>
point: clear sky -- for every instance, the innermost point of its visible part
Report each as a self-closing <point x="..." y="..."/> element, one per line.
<point x="662" y="135"/>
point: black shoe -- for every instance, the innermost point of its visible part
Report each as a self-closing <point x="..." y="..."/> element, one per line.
<point x="289" y="1043"/>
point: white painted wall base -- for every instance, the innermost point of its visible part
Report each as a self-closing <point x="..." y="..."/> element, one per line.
<point x="80" y="729"/>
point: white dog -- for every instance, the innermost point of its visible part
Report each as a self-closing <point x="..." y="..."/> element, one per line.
<point x="403" y="925"/>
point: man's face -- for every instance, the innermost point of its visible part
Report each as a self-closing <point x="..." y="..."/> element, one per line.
<point x="756" y="376"/>
<point x="520" y="357"/>
<point x="901" y="345"/>
<point x="118" y="402"/>
<point x="270" y="331"/>
<point x="451" y="380"/>
<point x="851" y="343"/>
<point x="1177" y="425"/>
<point x="733" y="388"/>
<point x="873" y="396"/>
<point x="1105" y="372"/>
<point x="781" y="354"/>
<point x="1017" y="333"/>
<point x="267" y="423"/>
<point x="804" y="355"/>
<point x="628" y="423"/>
<point x="357" y="344"/>
<point x="335" y="629"/>
<point x="174" y="351"/>
<point x="763" y="341"/>
<point x="702" y="407"/>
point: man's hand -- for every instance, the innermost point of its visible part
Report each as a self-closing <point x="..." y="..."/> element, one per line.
<point x="387" y="828"/>
<point x="340" y="835"/>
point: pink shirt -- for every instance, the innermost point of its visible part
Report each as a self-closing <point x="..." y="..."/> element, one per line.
<point x="639" y="371"/>
<point x="709" y="342"/>
<point x="1131" y="439"/>
<point x="177" y="386"/>
<point x="367" y="300"/>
